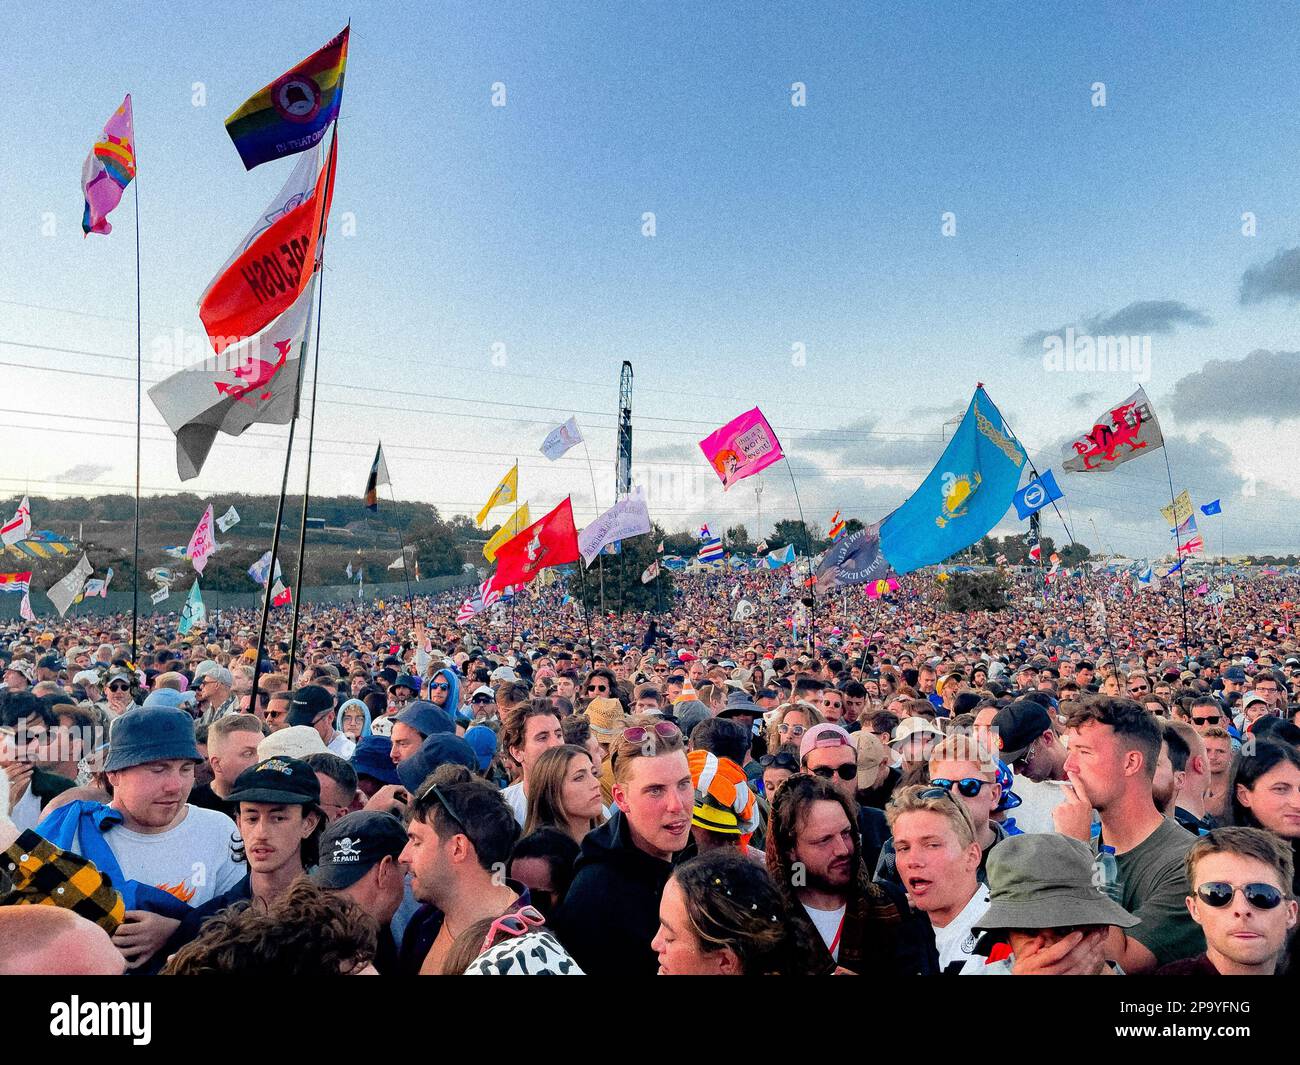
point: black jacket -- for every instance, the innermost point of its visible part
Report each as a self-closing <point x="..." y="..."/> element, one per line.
<point x="611" y="913"/>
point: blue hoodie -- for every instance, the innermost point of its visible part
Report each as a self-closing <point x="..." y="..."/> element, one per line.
<point x="338" y="718"/>
<point x="452" y="705"/>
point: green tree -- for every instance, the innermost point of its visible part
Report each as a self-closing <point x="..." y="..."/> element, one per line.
<point x="623" y="585"/>
<point x="737" y="539"/>
<point x="966" y="592"/>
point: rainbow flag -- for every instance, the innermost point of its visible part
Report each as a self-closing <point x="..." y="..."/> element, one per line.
<point x="108" y="170"/>
<point x="292" y="113"/>
<point x="837" y="527"/>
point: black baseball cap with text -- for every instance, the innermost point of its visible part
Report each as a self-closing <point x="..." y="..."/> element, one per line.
<point x="354" y="844"/>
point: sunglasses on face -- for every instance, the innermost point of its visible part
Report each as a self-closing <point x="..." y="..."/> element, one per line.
<point x="794" y="730"/>
<point x="968" y="786"/>
<point x="119" y="687"/>
<point x="440" y="687"/>
<point x="848" y="771"/>
<point x="599" y="689"/>
<point x="481" y="699"/>
<point x="1138" y="689"/>
<point x="1211" y="720"/>
<point x="1219" y="893"/>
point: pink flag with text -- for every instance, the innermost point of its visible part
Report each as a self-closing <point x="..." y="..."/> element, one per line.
<point x="742" y="448"/>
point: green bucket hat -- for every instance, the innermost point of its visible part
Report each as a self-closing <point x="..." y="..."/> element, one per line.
<point x="1044" y="880"/>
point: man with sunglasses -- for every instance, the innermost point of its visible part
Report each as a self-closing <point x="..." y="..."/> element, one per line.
<point x="119" y="693"/>
<point x="600" y="685"/>
<point x="611" y="914"/>
<point x="1241" y="898"/>
<point x="827" y="751"/>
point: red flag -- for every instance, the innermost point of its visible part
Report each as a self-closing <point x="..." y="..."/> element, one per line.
<point x="551" y="541"/>
<point x="276" y="261"/>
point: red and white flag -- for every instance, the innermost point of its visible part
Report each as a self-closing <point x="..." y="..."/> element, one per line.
<point x="280" y="595"/>
<point x="202" y="543"/>
<point x="552" y="541"/>
<point x="18" y="527"/>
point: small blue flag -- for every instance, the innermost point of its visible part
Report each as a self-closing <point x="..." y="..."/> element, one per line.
<point x="783" y="557"/>
<point x="1212" y="508"/>
<point x="1036" y="495"/>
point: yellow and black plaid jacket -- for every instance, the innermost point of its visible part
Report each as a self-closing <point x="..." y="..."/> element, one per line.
<point x="34" y="872"/>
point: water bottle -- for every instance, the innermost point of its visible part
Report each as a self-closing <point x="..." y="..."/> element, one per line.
<point x="1109" y="868"/>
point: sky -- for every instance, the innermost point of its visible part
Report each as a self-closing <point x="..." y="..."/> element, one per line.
<point x="947" y="194"/>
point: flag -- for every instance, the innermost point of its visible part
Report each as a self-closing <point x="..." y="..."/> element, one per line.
<point x="1179" y="510"/>
<point x="1035" y="549"/>
<point x="160" y="596"/>
<point x="163" y="575"/>
<point x="1122" y="433"/>
<point x="228" y="520"/>
<point x="1194" y="546"/>
<point x="854" y="559"/>
<point x="836" y="528"/>
<point x="398" y="563"/>
<point x="378" y="475"/>
<point x="626" y="518"/>
<point x="741" y="448"/>
<point x="19" y="526"/>
<point x="280" y="595"/>
<point x="261" y="569"/>
<point x="16" y="583"/>
<point x="650" y="572"/>
<point x="193" y="612"/>
<point x="66" y="590"/>
<point x="256" y="381"/>
<point x="273" y="264"/>
<point x="744" y="610"/>
<point x="108" y="170"/>
<point x="550" y="541"/>
<point x="965" y="495"/>
<point x="660" y="548"/>
<point x="1201" y="589"/>
<point x="1174" y="569"/>
<point x="710" y="549"/>
<point x="99" y="587"/>
<point x="561" y="438"/>
<point x="783" y="557"/>
<point x="1036" y="495"/>
<point x="482" y="598"/>
<point x="348" y="571"/>
<point x="513" y="526"/>
<point x="1213" y="507"/>
<point x="1001" y="560"/>
<point x="202" y="543"/>
<point x="1188" y="526"/>
<point x="292" y="113"/>
<point x="505" y="492"/>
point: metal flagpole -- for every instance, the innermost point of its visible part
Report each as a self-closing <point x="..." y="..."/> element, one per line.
<point x="810" y="635"/>
<point x="600" y="558"/>
<point x="139" y="383"/>
<point x="1178" y="553"/>
<point x="270" y="573"/>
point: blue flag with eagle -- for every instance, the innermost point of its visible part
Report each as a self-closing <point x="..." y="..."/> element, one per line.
<point x="966" y="494"/>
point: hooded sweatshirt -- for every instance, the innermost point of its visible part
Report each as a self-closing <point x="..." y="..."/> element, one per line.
<point x="452" y="705"/>
<point x="338" y="718"/>
<point x="611" y="913"/>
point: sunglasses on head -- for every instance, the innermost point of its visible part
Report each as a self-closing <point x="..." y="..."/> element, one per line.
<point x="968" y="786"/>
<point x="780" y="761"/>
<point x="1219" y="893"/>
<point x="638" y="733"/>
<point x="848" y="771"/>
<point x="1213" y="719"/>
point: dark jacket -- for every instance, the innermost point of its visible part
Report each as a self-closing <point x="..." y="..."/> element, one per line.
<point x="45" y="785"/>
<point x="611" y="913"/>
<point x="881" y="936"/>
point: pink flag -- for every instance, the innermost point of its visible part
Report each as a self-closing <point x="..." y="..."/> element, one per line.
<point x="1201" y="590"/>
<point x="742" y="447"/>
<point x="108" y="170"/>
<point x="201" y="543"/>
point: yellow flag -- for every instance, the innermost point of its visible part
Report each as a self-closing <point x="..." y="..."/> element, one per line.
<point x="514" y="525"/>
<point x="506" y="492"/>
<point x="1179" y="510"/>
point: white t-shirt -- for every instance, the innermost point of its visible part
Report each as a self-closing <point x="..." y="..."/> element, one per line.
<point x="27" y="810"/>
<point x="1038" y="798"/>
<point x="956" y="941"/>
<point x="191" y="861"/>
<point x="517" y="800"/>
<point x="828" y="924"/>
<point x="341" y="745"/>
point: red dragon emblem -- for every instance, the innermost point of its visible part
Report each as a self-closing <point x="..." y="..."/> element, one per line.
<point x="259" y="373"/>
<point x="1105" y="440"/>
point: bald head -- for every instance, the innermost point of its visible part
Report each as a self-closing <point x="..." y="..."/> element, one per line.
<point x="52" y="941"/>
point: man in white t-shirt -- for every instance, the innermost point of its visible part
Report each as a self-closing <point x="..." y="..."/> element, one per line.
<point x="1022" y="735"/>
<point x="938" y="854"/>
<point x="528" y="729"/>
<point x="162" y="853"/>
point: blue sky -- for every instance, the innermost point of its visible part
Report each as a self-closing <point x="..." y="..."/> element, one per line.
<point x="776" y="225"/>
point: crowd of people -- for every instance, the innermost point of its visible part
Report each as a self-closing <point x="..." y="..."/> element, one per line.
<point x="1086" y="783"/>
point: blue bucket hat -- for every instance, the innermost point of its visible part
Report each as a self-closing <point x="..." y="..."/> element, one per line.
<point x="484" y="742"/>
<point x="428" y="719"/>
<point x="151" y="734"/>
<point x="436" y="751"/>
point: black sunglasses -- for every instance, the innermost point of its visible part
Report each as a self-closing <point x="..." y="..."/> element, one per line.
<point x="968" y="786"/>
<point x="847" y="771"/>
<point x="1212" y="720"/>
<point x="118" y="686"/>
<point x="780" y="761"/>
<point x="1218" y="893"/>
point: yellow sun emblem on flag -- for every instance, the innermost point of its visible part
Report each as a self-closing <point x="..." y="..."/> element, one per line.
<point x="957" y="490"/>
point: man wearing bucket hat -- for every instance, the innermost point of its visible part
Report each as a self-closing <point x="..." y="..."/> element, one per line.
<point x="163" y="854"/>
<point x="1045" y="917"/>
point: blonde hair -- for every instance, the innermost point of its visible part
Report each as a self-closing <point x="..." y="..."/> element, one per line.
<point x="774" y="725"/>
<point x="964" y="748"/>
<point x="624" y="751"/>
<point x="909" y="801"/>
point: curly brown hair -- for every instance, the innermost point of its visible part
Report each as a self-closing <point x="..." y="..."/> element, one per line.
<point x="305" y="932"/>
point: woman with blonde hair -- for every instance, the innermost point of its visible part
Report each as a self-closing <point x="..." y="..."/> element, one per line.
<point x="564" y="792"/>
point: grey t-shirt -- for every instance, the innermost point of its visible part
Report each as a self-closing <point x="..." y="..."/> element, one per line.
<point x="1153" y="884"/>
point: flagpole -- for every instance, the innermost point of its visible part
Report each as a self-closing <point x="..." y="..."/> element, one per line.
<point x="401" y="542"/>
<point x="311" y="428"/>
<point x="270" y="573"/>
<point x="586" y="611"/>
<point x="1178" y="552"/>
<point x="139" y="384"/>
<point x="600" y="558"/>
<point x="810" y="636"/>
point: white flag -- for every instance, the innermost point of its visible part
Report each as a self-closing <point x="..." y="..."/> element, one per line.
<point x="65" y="591"/>
<point x="626" y="518"/>
<point x="160" y="596"/>
<point x="228" y="520"/>
<point x="398" y="563"/>
<point x="561" y="438"/>
<point x="349" y="571"/>
<point x="25" y="608"/>
<point x="202" y="543"/>
<point x="18" y="527"/>
<point x="744" y="609"/>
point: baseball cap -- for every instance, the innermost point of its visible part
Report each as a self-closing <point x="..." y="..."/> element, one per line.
<point x="871" y="755"/>
<point x="1018" y="725"/>
<point x="22" y="666"/>
<point x="909" y="727"/>
<point x="505" y="673"/>
<point x="309" y="702"/>
<point x="290" y="781"/>
<point x="484" y="742"/>
<point x="823" y="735"/>
<point x="481" y="691"/>
<point x="354" y="844"/>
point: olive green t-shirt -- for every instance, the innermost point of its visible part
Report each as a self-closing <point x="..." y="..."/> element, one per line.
<point x="1153" y="885"/>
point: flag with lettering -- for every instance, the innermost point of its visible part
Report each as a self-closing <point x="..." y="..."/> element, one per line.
<point x="202" y="543"/>
<point x="743" y="447"/>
